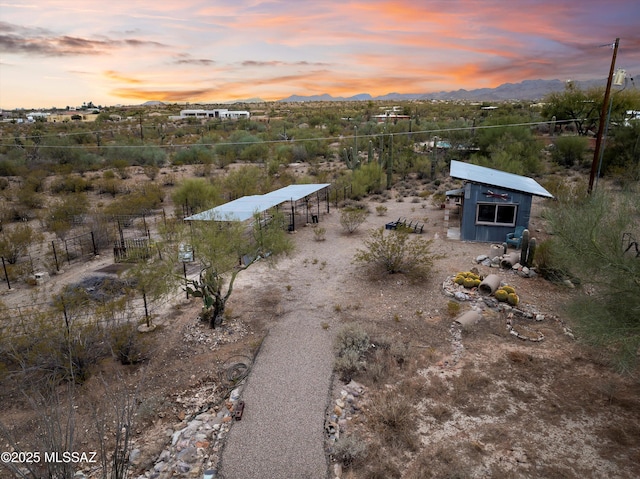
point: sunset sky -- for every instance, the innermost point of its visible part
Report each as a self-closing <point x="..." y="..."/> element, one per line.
<point x="66" y="52"/>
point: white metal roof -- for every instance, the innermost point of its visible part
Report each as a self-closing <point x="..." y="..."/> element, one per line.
<point x="244" y="208"/>
<point x="491" y="177"/>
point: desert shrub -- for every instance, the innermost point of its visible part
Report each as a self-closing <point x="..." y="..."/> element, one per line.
<point x="565" y="190"/>
<point x="367" y="180"/>
<point x="110" y="186"/>
<point x="15" y="242"/>
<point x="197" y="194"/>
<point x="194" y="155"/>
<point x="127" y="344"/>
<point x="381" y="210"/>
<point x="351" y="343"/>
<point x="319" y="233"/>
<point x="352" y="337"/>
<point x="151" y="171"/>
<point x="138" y="202"/>
<point x="569" y="150"/>
<point x="61" y="215"/>
<point x="589" y="240"/>
<point x="394" y="252"/>
<point x="10" y="168"/>
<point x="58" y="353"/>
<point x="70" y="184"/>
<point x="349" y="450"/>
<point x="453" y="309"/>
<point x="394" y="420"/>
<point x="137" y="155"/>
<point x="439" y="463"/>
<point x="352" y="217"/>
<point x="30" y="198"/>
<point x="248" y="180"/>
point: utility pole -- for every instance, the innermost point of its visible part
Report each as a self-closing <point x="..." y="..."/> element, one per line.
<point x="603" y="118"/>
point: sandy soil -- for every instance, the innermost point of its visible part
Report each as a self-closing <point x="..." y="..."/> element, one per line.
<point x="502" y="407"/>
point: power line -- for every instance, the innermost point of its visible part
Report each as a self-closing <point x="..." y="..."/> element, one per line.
<point x="282" y="141"/>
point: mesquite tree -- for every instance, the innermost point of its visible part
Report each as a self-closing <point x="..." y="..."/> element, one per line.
<point x="224" y="249"/>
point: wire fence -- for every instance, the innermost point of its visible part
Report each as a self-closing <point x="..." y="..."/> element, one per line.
<point x="111" y="234"/>
<point x="131" y="307"/>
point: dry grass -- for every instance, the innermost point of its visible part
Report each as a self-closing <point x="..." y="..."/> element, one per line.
<point x="394" y="420"/>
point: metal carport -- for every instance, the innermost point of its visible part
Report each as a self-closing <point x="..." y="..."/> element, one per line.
<point x="246" y="207"/>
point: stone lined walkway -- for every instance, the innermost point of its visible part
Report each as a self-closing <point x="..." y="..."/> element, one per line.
<point x="281" y="434"/>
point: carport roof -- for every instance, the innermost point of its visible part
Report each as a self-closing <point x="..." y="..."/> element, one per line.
<point x="244" y="208"/>
<point x="491" y="177"/>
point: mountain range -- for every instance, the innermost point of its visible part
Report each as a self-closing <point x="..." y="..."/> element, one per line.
<point x="525" y="90"/>
<point x="529" y="90"/>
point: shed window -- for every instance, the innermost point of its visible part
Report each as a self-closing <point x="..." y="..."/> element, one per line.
<point x="496" y="214"/>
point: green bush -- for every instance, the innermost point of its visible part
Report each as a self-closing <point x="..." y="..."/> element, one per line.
<point x="394" y="252"/>
<point x="569" y="150"/>
<point x="352" y="217"/>
<point x="197" y="194"/>
<point x="70" y="184"/>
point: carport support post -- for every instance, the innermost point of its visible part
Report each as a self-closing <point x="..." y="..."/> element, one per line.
<point x="4" y="267"/>
<point x="293" y="216"/>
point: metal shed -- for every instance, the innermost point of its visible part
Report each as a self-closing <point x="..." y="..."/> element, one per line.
<point x="243" y="209"/>
<point x="493" y="202"/>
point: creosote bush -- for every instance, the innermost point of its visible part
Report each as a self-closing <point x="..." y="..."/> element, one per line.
<point x="394" y="252"/>
<point x="352" y="217"/>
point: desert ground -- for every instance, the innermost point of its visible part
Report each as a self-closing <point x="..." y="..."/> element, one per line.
<point x="476" y="401"/>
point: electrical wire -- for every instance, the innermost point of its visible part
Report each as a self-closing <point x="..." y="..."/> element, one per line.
<point x="294" y="140"/>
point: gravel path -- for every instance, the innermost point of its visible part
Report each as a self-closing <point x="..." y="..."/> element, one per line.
<point x="281" y="434"/>
<point x="281" y="431"/>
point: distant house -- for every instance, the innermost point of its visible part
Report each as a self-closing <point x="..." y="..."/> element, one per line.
<point x="73" y="115"/>
<point x="221" y="113"/>
<point x="492" y="202"/>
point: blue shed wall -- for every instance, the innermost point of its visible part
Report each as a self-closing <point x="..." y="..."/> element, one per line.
<point x="475" y="193"/>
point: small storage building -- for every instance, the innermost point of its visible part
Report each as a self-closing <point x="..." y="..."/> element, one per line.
<point x="492" y="202"/>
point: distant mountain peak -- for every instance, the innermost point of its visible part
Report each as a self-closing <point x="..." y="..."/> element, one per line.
<point x="531" y="90"/>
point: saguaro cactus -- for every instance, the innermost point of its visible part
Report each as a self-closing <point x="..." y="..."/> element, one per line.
<point x="370" y="152"/>
<point x="390" y="166"/>
<point x="531" y="253"/>
<point x="350" y="158"/>
<point x="524" y="247"/>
